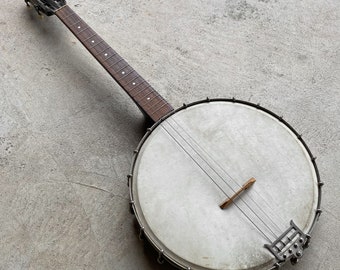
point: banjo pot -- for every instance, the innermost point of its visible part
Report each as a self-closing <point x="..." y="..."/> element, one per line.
<point x="201" y="154"/>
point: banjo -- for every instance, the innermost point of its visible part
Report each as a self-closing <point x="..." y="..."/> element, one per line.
<point x="218" y="184"/>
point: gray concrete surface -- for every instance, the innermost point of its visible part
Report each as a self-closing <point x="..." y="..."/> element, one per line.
<point x="67" y="131"/>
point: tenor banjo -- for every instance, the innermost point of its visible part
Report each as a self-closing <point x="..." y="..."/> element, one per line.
<point x="218" y="184"/>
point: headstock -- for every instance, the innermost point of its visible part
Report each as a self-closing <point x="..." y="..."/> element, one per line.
<point x="48" y="7"/>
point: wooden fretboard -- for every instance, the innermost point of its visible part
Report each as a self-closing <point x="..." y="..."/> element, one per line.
<point x="146" y="98"/>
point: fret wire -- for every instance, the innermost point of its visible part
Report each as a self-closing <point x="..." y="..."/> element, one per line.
<point x="116" y="72"/>
<point x="98" y="48"/>
<point x="157" y="114"/>
<point x="145" y="92"/>
<point x="121" y="59"/>
<point x="139" y="89"/>
<point x="164" y="103"/>
<point x="133" y="80"/>
<point x="72" y="13"/>
<point x="138" y="80"/>
<point x="70" y="19"/>
<point x="152" y="92"/>
<point x="121" y="69"/>
<point x="137" y="85"/>
<point x="110" y="64"/>
<point x="97" y="54"/>
<point x="74" y="21"/>
<point x="89" y="37"/>
<point x="80" y="20"/>
<point x="147" y="86"/>
<point x="86" y="33"/>
<point x="158" y="101"/>
<point x="110" y="56"/>
<point x="96" y="44"/>
<point x="61" y="13"/>
<point x="132" y="70"/>
<point x="164" y="111"/>
<point x="88" y="27"/>
<point x="155" y="96"/>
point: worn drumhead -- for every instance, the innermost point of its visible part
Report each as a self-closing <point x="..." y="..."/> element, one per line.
<point x="190" y="162"/>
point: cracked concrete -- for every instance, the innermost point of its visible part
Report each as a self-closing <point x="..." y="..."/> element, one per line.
<point x="67" y="131"/>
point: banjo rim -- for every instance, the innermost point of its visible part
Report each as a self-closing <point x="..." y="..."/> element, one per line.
<point x="162" y="255"/>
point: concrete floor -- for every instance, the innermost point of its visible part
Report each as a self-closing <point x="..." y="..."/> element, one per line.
<point x="67" y="131"/>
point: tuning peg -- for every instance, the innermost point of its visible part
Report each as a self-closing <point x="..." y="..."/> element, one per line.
<point x="38" y="10"/>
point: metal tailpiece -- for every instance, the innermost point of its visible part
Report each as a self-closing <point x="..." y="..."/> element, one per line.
<point x="290" y="245"/>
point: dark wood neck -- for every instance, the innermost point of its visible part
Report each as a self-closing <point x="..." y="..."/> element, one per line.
<point x="147" y="99"/>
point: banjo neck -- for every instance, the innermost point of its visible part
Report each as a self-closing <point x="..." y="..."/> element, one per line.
<point x="150" y="102"/>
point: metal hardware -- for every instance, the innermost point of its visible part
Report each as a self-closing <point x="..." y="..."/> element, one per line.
<point x="129" y="176"/>
<point x="290" y="245"/>
<point x="276" y="266"/>
<point x="141" y="233"/>
<point x="160" y="258"/>
<point x="318" y="213"/>
<point x="131" y="207"/>
<point x="48" y="7"/>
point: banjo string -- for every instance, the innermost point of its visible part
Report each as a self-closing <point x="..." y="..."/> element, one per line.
<point x="280" y="230"/>
<point x="239" y="207"/>
<point x="244" y="213"/>
<point x="212" y="168"/>
<point x="229" y="176"/>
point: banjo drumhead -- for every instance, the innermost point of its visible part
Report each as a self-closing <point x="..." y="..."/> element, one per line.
<point x="201" y="155"/>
